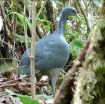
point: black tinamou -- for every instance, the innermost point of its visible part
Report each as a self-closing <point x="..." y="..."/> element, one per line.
<point x="51" y="52"/>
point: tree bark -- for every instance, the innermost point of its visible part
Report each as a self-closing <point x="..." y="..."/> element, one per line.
<point x="90" y="85"/>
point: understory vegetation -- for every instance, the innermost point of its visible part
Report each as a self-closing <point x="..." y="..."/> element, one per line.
<point x="85" y="34"/>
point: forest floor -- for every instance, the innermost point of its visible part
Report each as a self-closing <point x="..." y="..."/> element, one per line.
<point x="14" y="89"/>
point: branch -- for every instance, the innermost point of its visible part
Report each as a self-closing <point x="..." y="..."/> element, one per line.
<point x="42" y="6"/>
<point x="87" y="23"/>
<point x="25" y="28"/>
<point x="32" y="57"/>
<point x="65" y="92"/>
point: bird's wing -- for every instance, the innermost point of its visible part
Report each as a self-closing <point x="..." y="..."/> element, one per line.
<point x="47" y="53"/>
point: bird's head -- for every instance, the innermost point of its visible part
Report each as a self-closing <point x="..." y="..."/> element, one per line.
<point x="69" y="11"/>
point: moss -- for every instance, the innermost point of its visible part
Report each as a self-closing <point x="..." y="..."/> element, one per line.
<point x="90" y="85"/>
<point x="85" y="84"/>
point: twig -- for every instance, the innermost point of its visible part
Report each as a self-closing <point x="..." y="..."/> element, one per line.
<point x="25" y="28"/>
<point x="15" y="82"/>
<point x="37" y="29"/>
<point x="42" y="6"/>
<point x="10" y="58"/>
<point x="88" y="27"/>
<point x="22" y="84"/>
<point x="32" y="57"/>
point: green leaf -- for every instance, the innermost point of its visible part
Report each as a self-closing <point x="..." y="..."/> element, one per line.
<point x="76" y="46"/>
<point x="22" y="19"/>
<point x="46" y="24"/>
<point x="28" y="100"/>
<point x="77" y="43"/>
<point x="24" y="99"/>
<point x="20" y="38"/>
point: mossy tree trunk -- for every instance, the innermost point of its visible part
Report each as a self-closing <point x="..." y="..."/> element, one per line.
<point x="90" y="85"/>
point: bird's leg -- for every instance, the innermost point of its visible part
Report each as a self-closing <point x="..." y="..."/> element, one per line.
<point x="53" y="77"/>
<point x="38" y="76"/>
<point x="53" y="85"/>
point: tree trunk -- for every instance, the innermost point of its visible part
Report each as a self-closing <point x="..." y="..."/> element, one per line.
<point x="90" y="85"/>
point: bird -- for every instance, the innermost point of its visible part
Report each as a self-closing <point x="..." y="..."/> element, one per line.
<point x="51" y="52"/>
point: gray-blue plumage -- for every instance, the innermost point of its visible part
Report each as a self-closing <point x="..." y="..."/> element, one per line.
<point x="52" y="51"/>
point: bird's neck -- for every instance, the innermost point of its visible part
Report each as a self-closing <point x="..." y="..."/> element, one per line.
<point x="61" y="25"/>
